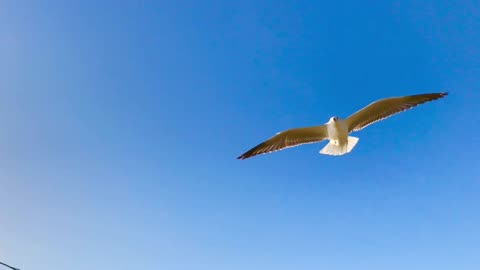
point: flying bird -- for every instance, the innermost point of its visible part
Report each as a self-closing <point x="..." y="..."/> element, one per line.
<point x="337" y="130"/>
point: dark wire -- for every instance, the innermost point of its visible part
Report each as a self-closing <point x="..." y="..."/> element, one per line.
<point x="11" y="267"/>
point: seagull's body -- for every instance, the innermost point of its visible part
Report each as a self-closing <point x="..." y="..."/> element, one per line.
<point x="337" y="133"/>
<point x="337" y="130"/>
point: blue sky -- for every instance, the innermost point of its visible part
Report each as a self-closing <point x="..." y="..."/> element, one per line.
<point x="121" y="124"/>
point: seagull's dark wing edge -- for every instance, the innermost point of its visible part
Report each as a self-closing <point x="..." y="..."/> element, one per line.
<point x="387" y="107"/>
<point x="287" y="139"/>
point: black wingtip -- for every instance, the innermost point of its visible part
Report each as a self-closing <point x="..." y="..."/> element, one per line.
<point x="252" y="152"/>
<point x="243" y="156"/>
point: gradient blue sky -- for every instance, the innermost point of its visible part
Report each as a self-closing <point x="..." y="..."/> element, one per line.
<point x="121" y="122"/>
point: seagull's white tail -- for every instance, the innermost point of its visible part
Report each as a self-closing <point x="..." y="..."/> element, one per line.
<point x="337" y="150"/>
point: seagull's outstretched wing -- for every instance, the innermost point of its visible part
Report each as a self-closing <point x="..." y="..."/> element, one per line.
<point x="288" y="138"/>
<point x="385" y="108"/>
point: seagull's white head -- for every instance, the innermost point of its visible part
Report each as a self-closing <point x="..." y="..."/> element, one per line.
<point x="333" y="119"/>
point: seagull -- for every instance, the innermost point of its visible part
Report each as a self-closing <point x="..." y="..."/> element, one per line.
<point x="336" y="130"/>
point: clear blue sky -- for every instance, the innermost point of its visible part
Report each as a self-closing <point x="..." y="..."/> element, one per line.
<point x="121" y="122"/>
